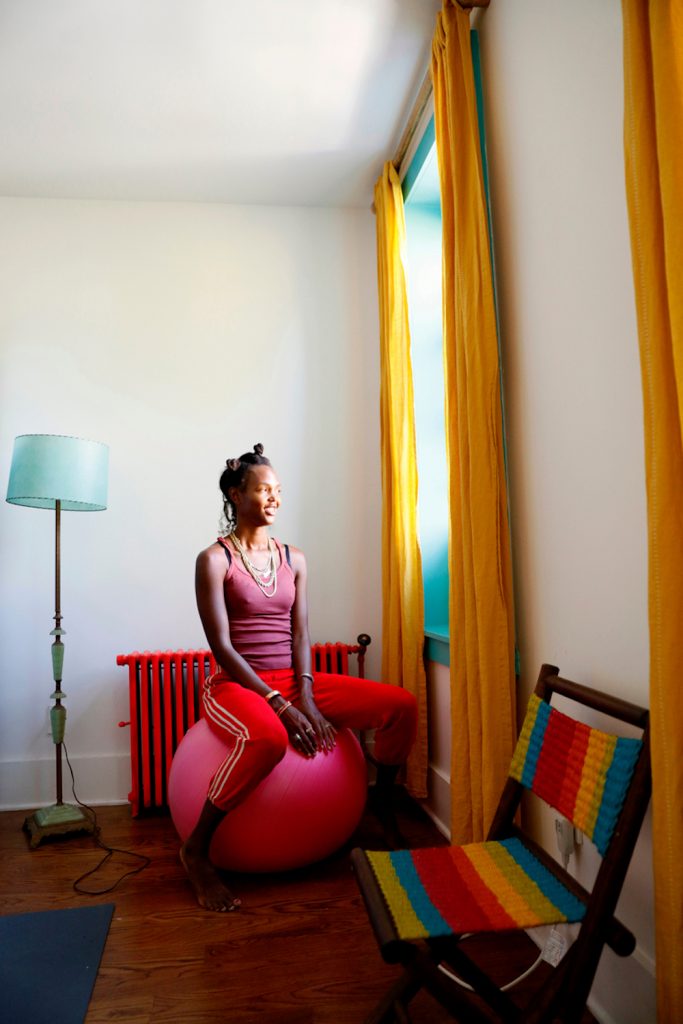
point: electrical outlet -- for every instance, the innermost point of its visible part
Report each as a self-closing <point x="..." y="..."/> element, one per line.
<point x="564" y="830"/>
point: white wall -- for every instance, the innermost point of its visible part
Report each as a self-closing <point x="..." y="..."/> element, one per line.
<point x="553" y="81"/>
<point x="180" y="334"/>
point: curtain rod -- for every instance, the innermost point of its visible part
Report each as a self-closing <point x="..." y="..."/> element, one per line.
<point x="416" y="113"/>
<point x="421" y="101"/>
<point x="423" y="96"/>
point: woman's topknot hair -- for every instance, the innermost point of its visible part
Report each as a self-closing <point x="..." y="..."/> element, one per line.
<point x="234" y="475"/>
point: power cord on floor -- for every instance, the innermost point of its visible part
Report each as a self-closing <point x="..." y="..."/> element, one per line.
<point x="109" y="850"/>
<point x="503" y="988"/>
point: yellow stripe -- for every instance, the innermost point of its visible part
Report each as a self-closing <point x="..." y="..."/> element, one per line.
<point x="598" y="793"/>
<point x="406" y="920"/>
<point x="584" y="797"/>
<point x="531" y="892"/>
<point x="589" y="797"/>
<point x="521" y="750"/>
<point x="496" y="868"/>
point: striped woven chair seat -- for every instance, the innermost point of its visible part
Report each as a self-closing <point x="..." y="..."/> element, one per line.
<point x="480" y="887"/>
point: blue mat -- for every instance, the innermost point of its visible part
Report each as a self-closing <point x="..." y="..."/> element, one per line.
<point x="48" y="963"/>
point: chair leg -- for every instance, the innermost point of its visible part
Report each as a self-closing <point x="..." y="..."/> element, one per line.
<point x="401" y="1014"/>
<point x="393" y="1007"/>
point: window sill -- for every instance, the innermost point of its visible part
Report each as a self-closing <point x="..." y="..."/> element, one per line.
<point x="437" y="644"/>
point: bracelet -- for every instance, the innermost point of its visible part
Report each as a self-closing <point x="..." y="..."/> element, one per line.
<point x="287" y="704"/>
<point x="306" y="675"/>
<point x="273" y="693"/>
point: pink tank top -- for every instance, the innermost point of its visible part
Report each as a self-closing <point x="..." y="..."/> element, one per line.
<point x="260" y="626"/>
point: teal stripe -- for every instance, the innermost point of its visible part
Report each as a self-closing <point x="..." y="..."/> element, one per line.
<point x="535" y="744"/>
<point x="435" y="924"/>
<point x="568" y="905"/>
<point x="617" y="781"/>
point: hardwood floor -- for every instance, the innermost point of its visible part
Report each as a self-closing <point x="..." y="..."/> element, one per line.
<point x="299" y="951"/>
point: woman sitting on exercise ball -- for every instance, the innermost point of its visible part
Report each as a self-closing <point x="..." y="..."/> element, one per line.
<point x="251" y="595"/>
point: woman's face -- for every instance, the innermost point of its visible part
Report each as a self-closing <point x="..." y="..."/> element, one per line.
<point x="258" y="500"/>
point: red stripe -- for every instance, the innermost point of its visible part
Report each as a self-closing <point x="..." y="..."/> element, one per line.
<point x="572" y="779"/>
<point x="456" y="889"/>
<point x="490" y="907"/>
<point x="551" y="768"/>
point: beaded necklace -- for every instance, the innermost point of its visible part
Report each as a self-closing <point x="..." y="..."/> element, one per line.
<point x="266" y="578"/>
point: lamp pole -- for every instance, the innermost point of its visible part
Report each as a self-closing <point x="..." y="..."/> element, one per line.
<point x="60" y="818"/>
<point x="58" y="712"/>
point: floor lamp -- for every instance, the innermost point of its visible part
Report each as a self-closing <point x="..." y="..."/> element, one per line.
<point x="66" y="474"/>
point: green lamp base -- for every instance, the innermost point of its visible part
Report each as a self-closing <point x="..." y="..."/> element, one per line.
<point x="56" y="820"/>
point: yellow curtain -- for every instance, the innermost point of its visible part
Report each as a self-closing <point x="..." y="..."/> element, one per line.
<point x="653" y="142"/>
<point x="402" y="593"/>
<point x="481" y="617"/>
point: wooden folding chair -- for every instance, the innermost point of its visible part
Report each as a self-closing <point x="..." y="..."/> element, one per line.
<point x="424" y="904"/>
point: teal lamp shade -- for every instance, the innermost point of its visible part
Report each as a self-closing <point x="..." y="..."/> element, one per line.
<point x="47" y="468"/>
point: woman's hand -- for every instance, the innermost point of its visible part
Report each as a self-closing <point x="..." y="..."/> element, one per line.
<point x="301" y="731"/>
<point x="323" y="730"/>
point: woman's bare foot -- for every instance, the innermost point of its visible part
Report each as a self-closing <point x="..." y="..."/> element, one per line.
<point x="211" y="892"/>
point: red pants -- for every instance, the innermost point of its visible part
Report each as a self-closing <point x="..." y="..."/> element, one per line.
<point x="258" y="739"/>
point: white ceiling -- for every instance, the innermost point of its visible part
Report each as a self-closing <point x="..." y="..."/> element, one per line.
<point x="235" y="101"/>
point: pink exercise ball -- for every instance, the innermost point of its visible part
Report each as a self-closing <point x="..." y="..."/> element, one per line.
<point x="302" y="812"/>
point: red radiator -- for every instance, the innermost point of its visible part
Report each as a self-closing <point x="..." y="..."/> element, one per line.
<point x="164" y="693"/>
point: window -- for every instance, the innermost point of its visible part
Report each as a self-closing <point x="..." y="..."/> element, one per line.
<point x="423" y="258"/>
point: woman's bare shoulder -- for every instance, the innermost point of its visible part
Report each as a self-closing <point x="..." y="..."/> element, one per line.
<point x="297" y="556"/>
<point x="212" y="557"/>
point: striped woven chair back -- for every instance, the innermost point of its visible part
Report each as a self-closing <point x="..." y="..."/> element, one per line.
<point x="582" y="772"/>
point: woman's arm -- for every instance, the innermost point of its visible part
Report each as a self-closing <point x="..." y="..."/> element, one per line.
<point x="209" y="579"/>
<point x="301" y="641"/>
<point x="301" y="654"/>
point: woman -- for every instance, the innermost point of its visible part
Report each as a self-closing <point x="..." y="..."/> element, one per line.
<point x="251" y="595"/>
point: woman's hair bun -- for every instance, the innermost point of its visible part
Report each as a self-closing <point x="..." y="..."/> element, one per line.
<point x="258" y="448"/>
<point x="233" y="464"/>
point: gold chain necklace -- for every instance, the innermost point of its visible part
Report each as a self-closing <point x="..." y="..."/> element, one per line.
<point x="266" y="578"/>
